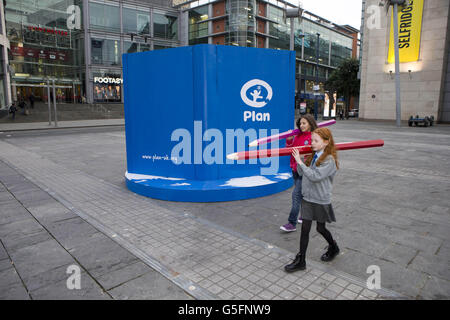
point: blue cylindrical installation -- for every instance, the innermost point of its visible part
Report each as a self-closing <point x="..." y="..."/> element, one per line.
<point x="187" y="108"/>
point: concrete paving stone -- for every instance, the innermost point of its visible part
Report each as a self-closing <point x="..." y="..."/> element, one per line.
<point x="225" y="295"/>
<point x="3" y="253"/>
<point x="225" y="283"/>
<point x="308" y="295"/>
<point x="393" y="276"/>
<point x="341" y="282"/>
<point x="50" y="211"/>
<point x="284" y="283"/>
<point x="369" y="294"/>
<point x="315" y="288"/>
<point x="264" y="283"/>
<point x="89" y="290"/>
<point x="349" y="294"/>
<point x="435" y="289"/>
<point x="123" y="275"/>
<point x="6" y="196"/>
<point x="335" y="288"/>
<point x="431" y="264"/>
<point x="206" y="283"/>
<point x="71" y="232"/>
<point x="354" y="288"/>
<point x="15" y="291"/>
<point x="32" y="197"/>
<point x="322" y="282"/>
<point x="328" y="277"/>
<point x="9" y="277"/>
<point x="329" y="294"/>
<point x="41" y="257"/>
<point x="310" y="276"/>
<point x="245" y="295"/>
<point x="438" y="209"/>
<point x="316" y="272"/>
<point x="13" y="212"/>
<point x="48" y="277"/>
<point x="19" y="186"/>
<point x="287" y="295"/>
<point x="25" y="240"/>
<point x="443" y="251"/>
<point x="215" y="289"/>
<point x="399" y="254"/>
<point x="254" y="289"/>
<point x="235" y="289"/>
<point x="20" y="228"/>
<point x="266" y="295"/>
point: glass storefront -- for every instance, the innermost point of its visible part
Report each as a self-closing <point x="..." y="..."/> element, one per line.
<point x="44" y="43"/>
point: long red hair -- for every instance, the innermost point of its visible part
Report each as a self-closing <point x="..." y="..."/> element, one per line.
<point x="330" y="149"/>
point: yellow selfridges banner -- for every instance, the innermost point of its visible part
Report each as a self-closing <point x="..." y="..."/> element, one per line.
<point x="409" y="29"/>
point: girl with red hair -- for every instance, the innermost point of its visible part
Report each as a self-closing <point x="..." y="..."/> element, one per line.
<point x="318" y="172"/>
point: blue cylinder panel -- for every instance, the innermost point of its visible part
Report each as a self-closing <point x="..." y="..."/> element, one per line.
<point x="187" y="108"/>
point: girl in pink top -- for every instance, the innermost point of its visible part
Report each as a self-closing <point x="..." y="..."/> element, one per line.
<point x="306" y="124"/>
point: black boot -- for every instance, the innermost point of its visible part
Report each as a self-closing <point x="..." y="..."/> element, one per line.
<point x="298" y="264"/>
<point x="332" y="252"/>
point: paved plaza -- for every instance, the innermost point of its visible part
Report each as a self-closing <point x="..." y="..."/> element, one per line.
<point x="63" y="202"/>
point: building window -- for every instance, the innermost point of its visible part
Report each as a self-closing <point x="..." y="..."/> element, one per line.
<point x="165" y="26"/>
<point x="341" y="50"/>
<point x="160" y="46"/>
<point x="136" y="21"/>
<point x="198" y="30"/>
<point x="104" y="17"/>
<point x="131" y="47"/>
<point x="105" y="52"/>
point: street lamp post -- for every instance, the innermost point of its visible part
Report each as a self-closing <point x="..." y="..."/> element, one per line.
<point x="317" y="77"/>
<point x="293" y="13"/>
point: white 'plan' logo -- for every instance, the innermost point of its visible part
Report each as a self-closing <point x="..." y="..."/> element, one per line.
<point x="260" y="92"/>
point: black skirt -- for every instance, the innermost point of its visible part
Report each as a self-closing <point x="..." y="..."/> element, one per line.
<point x="317" y="212"/>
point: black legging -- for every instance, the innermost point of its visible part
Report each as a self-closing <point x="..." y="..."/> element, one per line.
<point x="304" y="237"/>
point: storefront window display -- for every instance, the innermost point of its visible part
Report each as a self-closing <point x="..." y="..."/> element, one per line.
<point x="107" y="87"/>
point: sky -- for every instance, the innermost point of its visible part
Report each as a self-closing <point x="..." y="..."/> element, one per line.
<point x="337" y="11"/>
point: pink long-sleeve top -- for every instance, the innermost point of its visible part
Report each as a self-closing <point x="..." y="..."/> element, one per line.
<point x="303" y="139"/>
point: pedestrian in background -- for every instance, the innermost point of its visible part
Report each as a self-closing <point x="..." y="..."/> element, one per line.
<point x="31" y="98"/>
<point x="305" y="124"/>
<point x="13" y="110"/>
<point x="318" y="172"/>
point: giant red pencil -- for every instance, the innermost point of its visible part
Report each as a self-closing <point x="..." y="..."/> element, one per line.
<point x="254" y="154"/>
